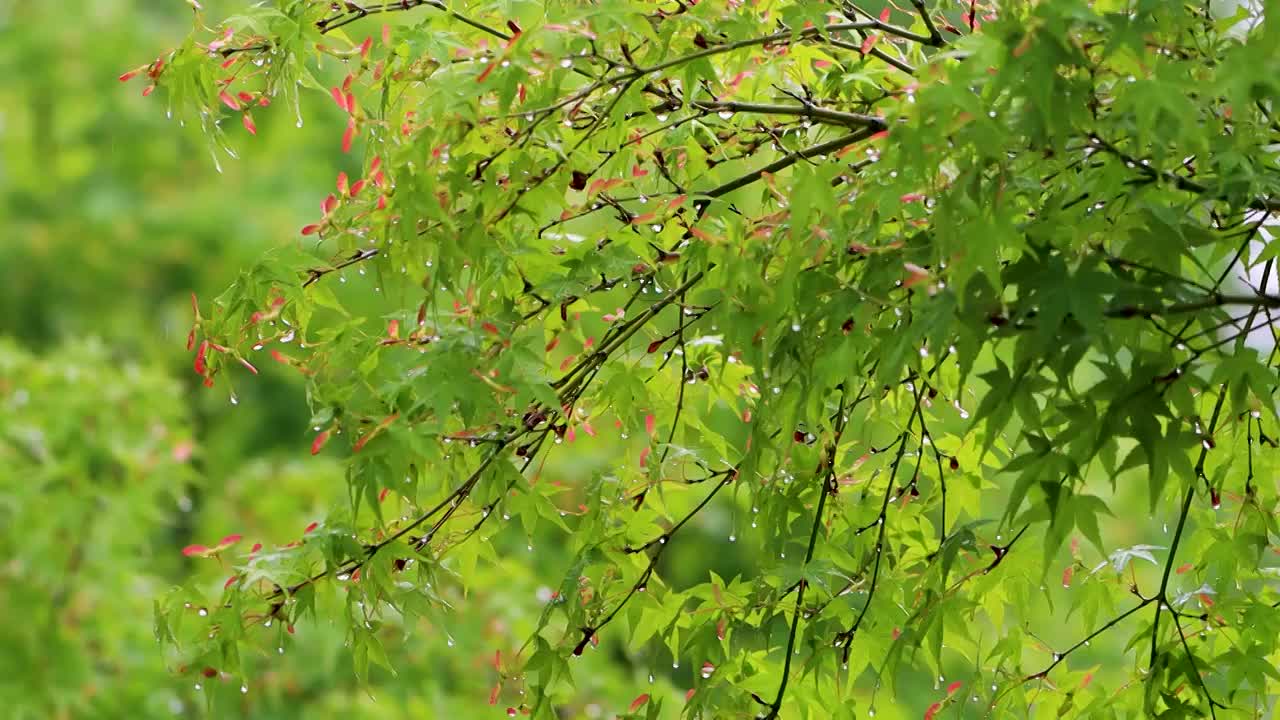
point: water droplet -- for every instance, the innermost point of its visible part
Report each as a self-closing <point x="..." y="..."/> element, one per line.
<point x="661" y="118"/>
<point x="199" y="687"/>
<point x="202" y="612"/>
<point x="733" y="538"/>
<point x="280" y="650"/>
<point x="675" y="665"/>
<point x="725" y="114"/>
<point x="566" y="63"/>
<point x="244" y="689"/>
<point x="234" y="400"/>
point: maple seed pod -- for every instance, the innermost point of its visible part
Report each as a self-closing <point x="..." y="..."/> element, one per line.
<point x="955" y="464"/>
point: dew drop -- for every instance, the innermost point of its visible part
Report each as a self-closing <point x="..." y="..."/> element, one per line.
<point x="725" y="114"/>
<point x="199" y="687"/>
<point x="202" y="612"/>
<point x="244" y="689"/>
<point x="733" y="538"/>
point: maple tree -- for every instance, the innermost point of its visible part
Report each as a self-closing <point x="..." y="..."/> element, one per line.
<point x="923" y="310"/>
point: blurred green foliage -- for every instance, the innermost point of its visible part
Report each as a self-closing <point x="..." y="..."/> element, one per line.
<point x="112" y="457"/>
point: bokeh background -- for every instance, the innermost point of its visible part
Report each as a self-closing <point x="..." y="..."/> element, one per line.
<point x="113" y="457"/>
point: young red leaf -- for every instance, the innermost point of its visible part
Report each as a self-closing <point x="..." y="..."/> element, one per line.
<point x="230" y="581"/>
<point x="638" y="702"/>
<point x="932" y="711"/>
<point x="195" y="551"/>
<point x="310" y="527"/>
<point x="365" y="47"/>
<point x="228" y="541"/>
<point x="383" y="495"/>
<point x="311" y="229"/>
<point x="649" y="424"/>
<point x="953" y="687"/>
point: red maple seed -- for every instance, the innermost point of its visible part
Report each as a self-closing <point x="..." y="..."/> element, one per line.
<point x="229" y="100"/>
<point x="228" y="541"/>
<point x="310" y="527"/>
<point x="191" y="550"/>
<point x="638" y="702"/>
<point x="230" y="581"/>
<point x="649" y="424"/>
<point x="199" y="364"/>
<point x="310" y="229"/>
<point x="319" y="441"/>
<point x="349" y="136"/>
